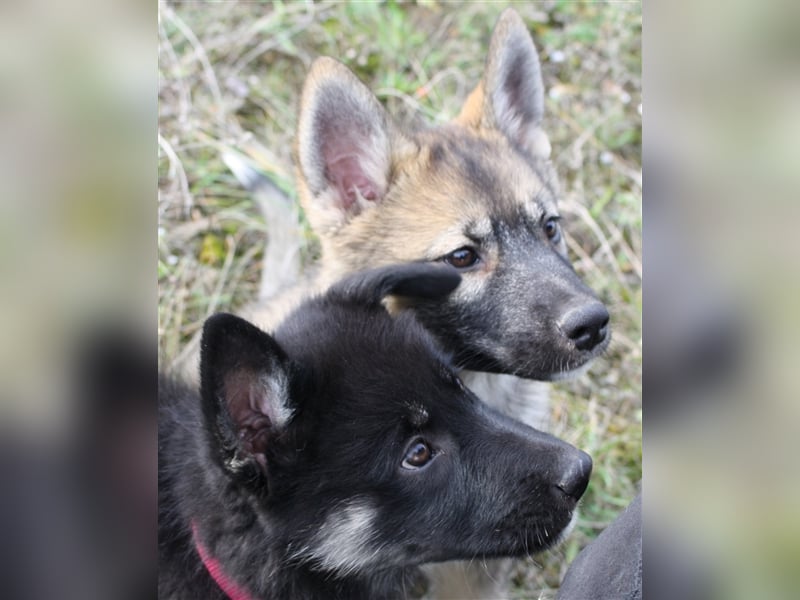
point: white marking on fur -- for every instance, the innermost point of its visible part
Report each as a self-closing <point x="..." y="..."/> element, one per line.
<point x="272" y="400"/>
<point x="450" y="239"/>
<point x="344" y="541"/>
<point x="481" y="228"/>
<point x="573" y="373"/>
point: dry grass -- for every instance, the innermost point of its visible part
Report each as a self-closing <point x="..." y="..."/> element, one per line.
<point x="230" y="75"/>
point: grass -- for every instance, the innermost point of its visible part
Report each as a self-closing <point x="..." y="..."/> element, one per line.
<point x="230" y="74"/>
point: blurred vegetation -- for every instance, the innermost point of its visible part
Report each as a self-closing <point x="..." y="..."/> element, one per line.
<point x="230" y="74"/>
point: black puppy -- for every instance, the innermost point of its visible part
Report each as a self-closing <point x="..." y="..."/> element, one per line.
<point x="331" y="459"/>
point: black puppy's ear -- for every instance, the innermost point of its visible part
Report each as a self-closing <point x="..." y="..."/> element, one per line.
<point x="244" y="383"/>
<point x="425" y="281"/>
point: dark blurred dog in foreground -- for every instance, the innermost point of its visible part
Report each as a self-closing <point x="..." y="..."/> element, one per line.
<point x="329" y="460"/>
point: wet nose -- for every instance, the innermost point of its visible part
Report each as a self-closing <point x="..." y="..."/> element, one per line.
<point x="575" y="479"/>
<point x="586" y="326"/>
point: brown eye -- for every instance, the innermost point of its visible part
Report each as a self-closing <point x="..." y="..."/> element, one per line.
<point x="552" y="230"/>
<point x="462" y="258"/>
<point x="418" y="455"/>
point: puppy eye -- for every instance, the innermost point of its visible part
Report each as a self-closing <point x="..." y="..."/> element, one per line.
<point x="552" y="229"/>
<point x="418" y="455"/>
<point x="462" y="258"/>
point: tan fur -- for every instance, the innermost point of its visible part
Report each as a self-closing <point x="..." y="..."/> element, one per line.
<point x="427" y="208"/>
<point x="471" y="112"/>
<point x="428" y="202"/>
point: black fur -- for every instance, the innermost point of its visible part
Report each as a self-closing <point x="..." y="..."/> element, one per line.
<point x="290" y="462"/>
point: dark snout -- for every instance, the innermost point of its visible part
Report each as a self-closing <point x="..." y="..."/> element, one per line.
<point x="558" y="465"/>
<point x="541" y="477"/>
<point x="586" y="325"/>
<point x="575" y="477"/>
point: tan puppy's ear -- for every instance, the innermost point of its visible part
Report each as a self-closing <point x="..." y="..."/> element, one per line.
<point x="344" y="145"/>
<point x="510" y="97"/>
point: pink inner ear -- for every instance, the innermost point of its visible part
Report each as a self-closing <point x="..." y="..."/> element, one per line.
<point x="243" y="397"/>
<point x="346" y="173"/>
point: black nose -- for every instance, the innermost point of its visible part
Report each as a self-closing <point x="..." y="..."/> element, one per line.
<point x="575" y="479"/>
<point x="586" y="326"/>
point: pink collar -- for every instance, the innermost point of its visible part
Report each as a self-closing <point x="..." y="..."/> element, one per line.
<point x="233" y="590"/>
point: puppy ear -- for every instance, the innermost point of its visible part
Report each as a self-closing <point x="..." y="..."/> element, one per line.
<point x="510" y="98"/>
<point x="424" y="281"/>
<point x="244" y="384"/>
<point x="344" y="145"/>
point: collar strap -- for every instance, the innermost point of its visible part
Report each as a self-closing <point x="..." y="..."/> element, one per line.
<point x="232" y="589"/>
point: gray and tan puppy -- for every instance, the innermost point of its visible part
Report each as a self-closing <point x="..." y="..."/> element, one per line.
<point x="479" y="194"/>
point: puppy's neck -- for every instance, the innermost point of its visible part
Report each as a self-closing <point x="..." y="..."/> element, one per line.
<point x="217" y="572"/>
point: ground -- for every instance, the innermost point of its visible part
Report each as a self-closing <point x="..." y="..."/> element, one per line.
<point x="230" y="74"/>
